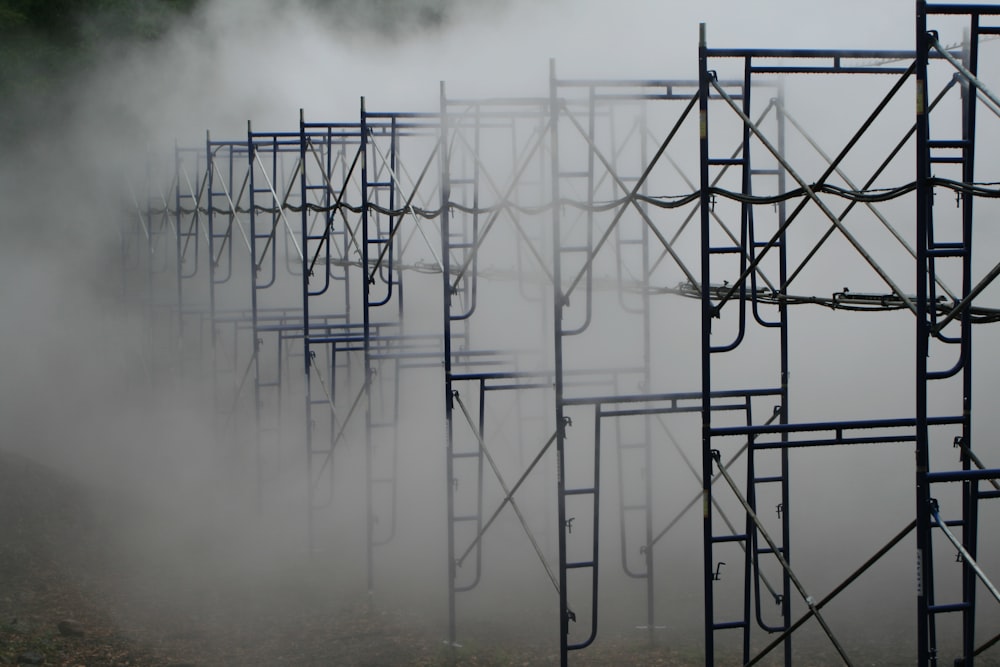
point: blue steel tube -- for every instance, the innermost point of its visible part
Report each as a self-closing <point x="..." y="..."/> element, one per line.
<point x="307" y="352"/>
<point x="970" y="489"/>
<point x="446" y="340"/>
<point x="366" y="388"/>
<point x="706" y="346"/>
<point x="746" y="241"/>
<point x="254" y="319"/>
<point x="209" y="174"/>
<point x="786" y="589"/>
<point x="557" y="357"/>
<point x="647" y="435"/>
<point x="925" y="639"/>
<point x="179" y="246"/>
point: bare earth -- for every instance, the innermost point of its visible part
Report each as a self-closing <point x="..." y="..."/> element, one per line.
<point x="77" y="590"/>
<point x="63" y="562"/>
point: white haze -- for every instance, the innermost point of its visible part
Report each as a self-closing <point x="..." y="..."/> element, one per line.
<point x="237" y="61"/>
<point x="71" y="358"/>
<point x="262" y="61"/>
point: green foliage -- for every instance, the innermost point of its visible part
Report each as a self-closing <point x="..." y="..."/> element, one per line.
<point x="387" y="16"/>
<point x="41" y="40"/>
<point x="44" y="44"/>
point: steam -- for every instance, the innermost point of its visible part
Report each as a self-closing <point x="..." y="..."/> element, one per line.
<point x="75" y="389"/>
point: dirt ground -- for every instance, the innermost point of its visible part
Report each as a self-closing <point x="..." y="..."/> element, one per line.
<point x="76" y="591"/>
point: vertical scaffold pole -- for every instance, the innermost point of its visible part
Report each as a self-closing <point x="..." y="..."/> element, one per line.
<point x="446" y="341"/>
<point x="783" y="418"/>
<point x="925" y="636"/>
<point x="558" y="302"/>
<point x="706" y="343"/>
<point x="366" y="335"/>
<point x="970" y="489"/>
<point x="307" y="351"/>
<point x="255" y="322"/>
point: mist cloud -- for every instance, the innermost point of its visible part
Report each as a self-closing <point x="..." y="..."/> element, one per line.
<point x="73" y="354"/>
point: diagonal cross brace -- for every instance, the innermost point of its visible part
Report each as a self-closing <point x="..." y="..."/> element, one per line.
<point x="337" y="204"/>
<point x="698" y="496"/>
<point x="715" y="501"/>
<point x="812" y="196"/>
<point x="197" y="206"/>
<point x="526" y="162"/>
<point x="834" y="163"/>
<point x="281" y="205"/>
<point x="517" y="225"/>
<point x="234" y="211"/>
<point x="281" y="208"/>
<point x="966" y="556"/>
<point x="718" y="178"/>
<point x="834" y="593"/>
<point x="508" y="493"/>
<point x="509" y="498"/>
<point x="406" y="206"/>
<point x="631" y="198"/>
<point x="784" y="562"/>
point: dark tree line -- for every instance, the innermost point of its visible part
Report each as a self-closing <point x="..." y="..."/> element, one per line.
<point x="45" y="44"/>
<point x="41" y="40"/>
<point x="48" y="46"/>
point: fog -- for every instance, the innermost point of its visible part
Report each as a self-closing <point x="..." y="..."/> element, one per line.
<point x="97" y="384"/>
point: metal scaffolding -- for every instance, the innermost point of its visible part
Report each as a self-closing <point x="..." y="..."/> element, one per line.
<point x="619" y="264"/>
